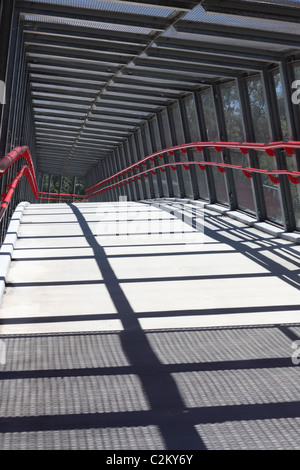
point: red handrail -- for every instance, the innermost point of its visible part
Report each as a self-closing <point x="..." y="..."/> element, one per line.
<point x="292" y="175"/>
<point x="6" y="198"/>
<point x="244" y="147"/>
<point x="28" y="171"/>
<point x="14" y="156"/>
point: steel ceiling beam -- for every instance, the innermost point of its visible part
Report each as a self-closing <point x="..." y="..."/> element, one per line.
<point x="61" y="53"/>
<point x="108" y="142"/>
<point x="74" y="62"/>
<point x="59" y="106"/>
<point x="179" y="88"/>
<point x="160" y="56"/>
<point x="138" y="115"/>
<point x="60" y="121"/>
<point x="238" y="33"/>
<point x="135" y="98"/>
<point x="57" y="97"/>
<point x="50" y="133"/>
<point x="52" y="152"/>
<point x="56" y="112"/>
<point x="182" y="72"/>
<point x="268" y="10"/>
<point x="95" y="16"/>
<point x="105" y="102"/>
<point x="106" y="123"/>
<point x="62" y="72"/>
<point x="82" y="96"/>
<point x="171" y="4"/>
<point x="103" y="137"/>
<point x="103" y="131"/>
<point x="86" y="33"/>
<point x="50" y="89"/>
<point x="120" y="118"/>
<point x="42" y="79"/>
<point x="68" y="103"/>
<point x="40" y="40"/>
<point x="222" y="50"/>
<point x="136" y="88"/>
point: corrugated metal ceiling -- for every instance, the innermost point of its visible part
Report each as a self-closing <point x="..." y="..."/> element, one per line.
<point x="199" y="14"/>
<point x="109" y="66"/>
<point x="127" y="8"/>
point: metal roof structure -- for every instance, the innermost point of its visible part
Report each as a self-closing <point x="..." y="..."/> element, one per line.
<point x="97" y="69"/>
<point x="149" y="225"/>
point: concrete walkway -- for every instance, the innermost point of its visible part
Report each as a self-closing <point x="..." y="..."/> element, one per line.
<point x="148" y="326"/>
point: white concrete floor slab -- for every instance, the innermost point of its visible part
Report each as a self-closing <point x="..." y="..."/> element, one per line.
<point x="51" y="252"/>
<point x="56" y="272"/>
<point x="117" y="334"/>
<point x="207" y="294"/>
<point x="55" y="300"/>
<point x="182" y="265"/>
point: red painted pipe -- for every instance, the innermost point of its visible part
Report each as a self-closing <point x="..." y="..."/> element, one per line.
<point x="273" y="175"/>
<point x="288" y="146"/>
<point x="13" y="156"/>
<point x="6" y="198"/>
<point x="28" y="170"/>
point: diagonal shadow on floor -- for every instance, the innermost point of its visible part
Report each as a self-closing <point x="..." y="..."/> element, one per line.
<point x="160" y="389"/>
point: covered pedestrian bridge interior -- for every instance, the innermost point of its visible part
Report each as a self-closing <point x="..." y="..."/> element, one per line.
<point x="150" y="224"/>
<point x="93" y="87"/>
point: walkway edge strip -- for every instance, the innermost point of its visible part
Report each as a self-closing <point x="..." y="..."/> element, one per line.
<point x="243" y="218"/>
<point x="7" y="248"/>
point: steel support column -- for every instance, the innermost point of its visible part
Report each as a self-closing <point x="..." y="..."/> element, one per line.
<point x="154" y="149"/>
<point x="49" y="186"/>
<point x="60" y="186"/>
<point x="206" y="155"/>
<point x="40" y="184"/>
<point x="147" y="151"/>
<point x="256" y="181"/>
<point x="274" y="122"/>
<point x="10" y="34"/>
<point x="188" y="138"/>
<point x="165" y="158"/>
<point x="6" y="16"/>
<point x="175" y="142"/>
<point x="292" y="109"/>
<point x="138" y="151"/>
<point x="131" y="158"/>
<point x="229" y="178"/>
